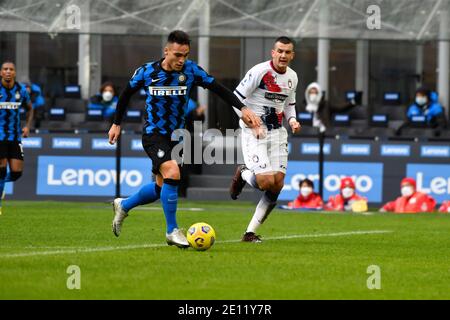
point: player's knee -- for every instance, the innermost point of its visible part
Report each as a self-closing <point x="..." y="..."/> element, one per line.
<point x="265" y="183"/>
<point x="15" y="175"/>
<point x="170" y="170"/>
<point x="277" y="186"/>
<point x="172" y="173"/>
<point x="2" y="173"/>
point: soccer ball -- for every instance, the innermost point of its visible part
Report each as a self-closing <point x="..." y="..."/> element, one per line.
<point x="201" y="236"/>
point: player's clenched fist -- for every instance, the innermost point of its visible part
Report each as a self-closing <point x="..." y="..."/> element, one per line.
<point x="295" y="125"/>
<point x="25" y="132"/>
<point x="114" y="134"/>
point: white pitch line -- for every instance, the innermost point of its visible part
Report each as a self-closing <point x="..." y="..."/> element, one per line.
<point x="160" y="245"/>
<point x="319" y="235"/>
<point x="161" y="209"/>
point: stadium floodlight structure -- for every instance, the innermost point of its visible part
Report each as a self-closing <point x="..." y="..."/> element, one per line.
<point x="400" y="19"/>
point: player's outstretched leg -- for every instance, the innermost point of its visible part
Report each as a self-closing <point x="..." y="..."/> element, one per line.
<point x="263" y="209"/>
<point x="147" y="194"/>
<point x="169" y="200"/>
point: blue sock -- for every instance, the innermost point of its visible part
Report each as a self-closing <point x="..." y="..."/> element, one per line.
<point x="169" y="200"/>
<point x="147" y="194"/>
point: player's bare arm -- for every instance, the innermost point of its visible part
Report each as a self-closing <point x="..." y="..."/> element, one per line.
<point x="29" y="119"/>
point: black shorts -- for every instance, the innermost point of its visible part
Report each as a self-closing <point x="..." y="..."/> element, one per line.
<point x="159" y="149"/>
<point x="11" y="150"/>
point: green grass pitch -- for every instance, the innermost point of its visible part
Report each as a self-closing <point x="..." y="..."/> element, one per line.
<point x="304" y="255"/>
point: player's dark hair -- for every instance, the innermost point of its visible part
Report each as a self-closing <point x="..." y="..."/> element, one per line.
<point x="308" y="182"/>
<point x="8" y="61"/>
<point x="107" y="84"/>
<point x="180" y="37"/>
<point x="285" y="40"/>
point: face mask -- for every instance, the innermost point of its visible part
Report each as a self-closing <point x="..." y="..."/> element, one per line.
<point x="347" y="192"/>
<point x="407" y="191"/>
<point x="421" y="100"/>
<point x="107" y="96"/>
<point x="314" y="98"/>
<point x="305" y="191"/>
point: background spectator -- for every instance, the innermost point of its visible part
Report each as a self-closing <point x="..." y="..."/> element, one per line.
<point x="426" y="104"/>
<point x="105" y="100"/>
<point x="320" y="108"/>
<point x="347" y="199"/>
<point x="307" y="198"/>
<point x="445" y="207"/>
<point x="411" y="200"/>
<point x="37" y="101"/>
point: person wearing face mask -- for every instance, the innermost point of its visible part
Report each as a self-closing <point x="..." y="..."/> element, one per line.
<point x="320" y="108"/>
<point x="347" y="199"/>
<point x="411" y="200"/>
<point x="37" y="101"/>
<point x="426" y="104"/>
<point x="307" y="198"/>
<point x="445" y="207"/>
<point x="105" y="100"/>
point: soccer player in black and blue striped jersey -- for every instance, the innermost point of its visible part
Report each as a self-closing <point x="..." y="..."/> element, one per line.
<point x="168" y="83"/>
<point x="13" y="96"/>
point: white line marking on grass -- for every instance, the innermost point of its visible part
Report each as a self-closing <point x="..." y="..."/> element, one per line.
<point x="147" y="208"/>
<point x="318" y="235"/>
<point x="160" y="245"/>
<point x="161" y="209"/>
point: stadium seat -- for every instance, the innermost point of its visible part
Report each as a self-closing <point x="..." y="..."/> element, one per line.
<point x="358" y="113"/>
<point x="135" y="127"/>
<point x="420" y="133"/>
<point x="56" y="125"/>
<point x="394" y="112"/>
<point x="96" y="126"/>
<point x="72" y="91"/>
<point x="75" y="119"/>
<point x="381" y="133"/>
<point x="340" y="131"/>
<point x="57" y="114"/>
<point x="445" y="134"/>
<point x="395" y="124"/>
<point x="360" y="123"/>
<point x="71" y="105"/>
<point x="307" y="131"/>
<point x="134" y="115"/>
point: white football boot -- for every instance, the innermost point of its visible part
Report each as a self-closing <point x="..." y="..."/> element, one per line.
<point x="119" y="216"/>
<point x="178" y="238"/>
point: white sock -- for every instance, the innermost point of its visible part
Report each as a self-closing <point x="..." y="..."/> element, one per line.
<point x="250" y="178"/>
<point x="263" y="209"/>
